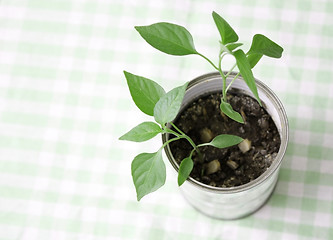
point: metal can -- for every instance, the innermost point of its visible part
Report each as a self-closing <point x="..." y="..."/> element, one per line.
<point x="239" y="201"/>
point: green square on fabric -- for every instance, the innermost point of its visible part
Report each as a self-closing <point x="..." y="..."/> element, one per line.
<point x="58" y="5"/>
<point x="72" y="99"/>
<point x="285" y="174"/>
<point x="277" y="226"/>
<point x="80" y="52"/>
<point x="309" y="204"/>
<point x="89" y="151"/>
<point x="67" y="123"/>
<point x="312" y="177"/>
<point x="77" y="200"/>
<point x="98" y="102"/>
<point x="93" y="126"/>
<point x="314" y="152"/>
<point x="62" y="148"/>
<point x="57" y="172"/>
<point x="73" y="225"/>
<point x="318" y="126"/>
<point x="278" y="200"/>
<point x="46" y="222"/>
<point x="305" y="230"/>
<point x="50" y="196"/>
<point x="76" y="76"/>
<point x="101" y="229"/>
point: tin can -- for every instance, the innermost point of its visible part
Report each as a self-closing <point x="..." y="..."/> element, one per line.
<point x="239" y="201"/>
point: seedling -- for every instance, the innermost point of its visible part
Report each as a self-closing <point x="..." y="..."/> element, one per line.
<point x="148" y="169"/>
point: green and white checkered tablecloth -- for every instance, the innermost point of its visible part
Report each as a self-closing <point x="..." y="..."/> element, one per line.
<point x="64" y="103"/>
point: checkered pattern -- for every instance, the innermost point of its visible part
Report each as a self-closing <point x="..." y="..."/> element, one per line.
<point x="64" y="103"/>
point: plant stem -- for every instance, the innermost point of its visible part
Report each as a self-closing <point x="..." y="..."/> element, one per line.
<point x="220" y="59"/>
<point x="224" y="92"/>
<point x="192" y="153"/>
<point x="181" y="135"/>
<point x="232" y="81"/>
<point x="233" y="67"/>
<point x="169" y="141"/>
<point x="175" y="127"/>
<point x="224" y="81"/>
<point x="208" y="61"/>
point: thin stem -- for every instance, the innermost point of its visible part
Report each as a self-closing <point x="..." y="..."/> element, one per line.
<point x="221" y="56"/>
<point x="169" y="141"/>
<point x="232" y="81"/>
<point x="224" y="82"/>
<point x="175" y="127"/>
<point x="191" y="153"/>
<point x="233" y="67"/>
<point x="168" y="130"/>
<point x="208" y="61"/>
<point x="224" y="79"/>
<point x="183" y="135"/>
<point x="204" y="144"/>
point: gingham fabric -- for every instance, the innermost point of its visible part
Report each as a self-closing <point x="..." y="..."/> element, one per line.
<point x="64" y="102"/>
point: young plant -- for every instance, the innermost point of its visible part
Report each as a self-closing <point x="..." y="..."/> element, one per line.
<point x="148" y="169"/>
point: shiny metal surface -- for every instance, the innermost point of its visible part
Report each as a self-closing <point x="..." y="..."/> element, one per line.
<point x="235" y="202"/>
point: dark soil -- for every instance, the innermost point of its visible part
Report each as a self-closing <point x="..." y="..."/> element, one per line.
<point x="202" y="120"/>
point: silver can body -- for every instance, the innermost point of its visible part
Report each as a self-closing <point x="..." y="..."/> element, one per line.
<point x="235" y="202"/>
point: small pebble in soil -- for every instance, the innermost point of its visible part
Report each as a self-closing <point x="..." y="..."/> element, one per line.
<point x="263" y="152"/>
<point x="213" y="167"/>
<point x="206" y="135"/>
<point x="245" y="145"/>
<point x="232" y="164"/>
<point x="263" y="123"/>
<point x="238" y="172"/>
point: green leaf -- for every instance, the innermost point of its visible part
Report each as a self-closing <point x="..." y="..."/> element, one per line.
<point x="263" y="45"/>
<point x="233" y="46"/>
<point x="226" y="108"/>
<point x="253" y="59"/>
<point x="185" y="169"/>
<point x="246" y="72"/>
<point x="142" y="132"/>
<point x="228" y="35"/>
<point x="167" y="108"/>
<point x="168" y="38"/>
<point x="145" y="92"/>
<point x="225" y="140"/>
<point x="148" y="172"/>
